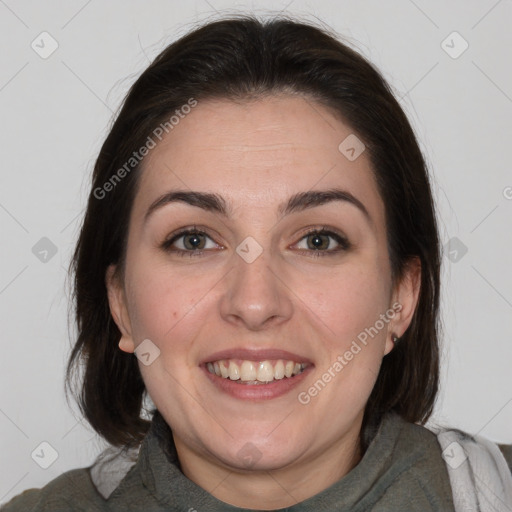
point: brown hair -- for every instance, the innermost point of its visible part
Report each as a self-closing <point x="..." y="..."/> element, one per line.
<point x="241" y="58"/>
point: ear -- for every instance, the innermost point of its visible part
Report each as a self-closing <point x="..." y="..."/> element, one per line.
<point x="404" y="301"/>
<point x="118" y="309"/>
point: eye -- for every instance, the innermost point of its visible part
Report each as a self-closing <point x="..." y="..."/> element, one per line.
<point x="194" y="241"/>
<point x="190" y="241"/>
<point x="323" y="242"/>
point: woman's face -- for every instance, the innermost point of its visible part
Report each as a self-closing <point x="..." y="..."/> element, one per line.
<point x="252" y="292"/>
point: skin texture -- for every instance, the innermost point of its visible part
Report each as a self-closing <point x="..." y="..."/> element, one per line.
<point x="256" y="155"/>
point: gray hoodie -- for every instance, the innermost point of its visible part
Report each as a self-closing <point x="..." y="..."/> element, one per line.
<point x="403" y="469"/>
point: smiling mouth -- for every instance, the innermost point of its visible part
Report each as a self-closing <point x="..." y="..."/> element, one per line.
<point x="255" y="372"/>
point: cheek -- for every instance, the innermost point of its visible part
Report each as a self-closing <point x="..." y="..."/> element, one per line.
<point x="165" y="311"/>
<point x="168" y="307"/>
<point x="348" y="302"/>
<point x="353" y="340"/>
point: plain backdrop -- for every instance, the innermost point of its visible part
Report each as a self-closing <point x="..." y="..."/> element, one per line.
<point x="55" y="112"/>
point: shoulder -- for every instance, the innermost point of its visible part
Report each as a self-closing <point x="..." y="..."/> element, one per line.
<point x="427" y="467"/>
<point x="479" y="469"/>
<point x="411" y="472"/>
<point x="449" y="462"/>
<point x="459" y="446"/>
<point x="419" y="440"/>
<point x="73" y="490"/>
<point x="506" y="450"/>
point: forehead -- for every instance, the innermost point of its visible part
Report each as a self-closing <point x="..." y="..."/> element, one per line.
<point x="257" y="153"/>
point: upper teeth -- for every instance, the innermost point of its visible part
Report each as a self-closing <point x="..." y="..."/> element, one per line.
<point x="263" y="371"/>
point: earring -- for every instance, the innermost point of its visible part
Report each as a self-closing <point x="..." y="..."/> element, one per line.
<point x="395" y="339"/>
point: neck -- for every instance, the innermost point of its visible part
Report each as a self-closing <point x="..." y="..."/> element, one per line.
<point x="278" y="487"/>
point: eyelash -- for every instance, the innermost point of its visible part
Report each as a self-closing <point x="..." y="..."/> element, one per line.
<point x="344" y="244"/>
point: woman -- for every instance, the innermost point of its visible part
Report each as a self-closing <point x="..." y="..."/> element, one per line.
<point x="260" y="258"/>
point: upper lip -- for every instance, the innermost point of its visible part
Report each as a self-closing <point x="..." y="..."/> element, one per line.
<point x="255" y="355"/>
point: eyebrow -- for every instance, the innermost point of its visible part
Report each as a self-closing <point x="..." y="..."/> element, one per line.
<point x="298" y="202"/>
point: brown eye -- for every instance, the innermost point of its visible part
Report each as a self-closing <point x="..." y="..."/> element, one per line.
<point x="194" y="241"/>
<point x="191" y="241"/>
<point x="318" y="241"/>
<point x="323" y="241"/>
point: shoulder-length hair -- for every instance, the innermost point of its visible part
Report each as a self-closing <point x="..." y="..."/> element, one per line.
<point x="242" y="58"/>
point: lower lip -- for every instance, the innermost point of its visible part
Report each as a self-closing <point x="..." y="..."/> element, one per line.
<point x="257" y="392"/>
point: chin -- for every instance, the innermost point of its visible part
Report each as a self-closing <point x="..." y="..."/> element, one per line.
<point x="259" y="452"/>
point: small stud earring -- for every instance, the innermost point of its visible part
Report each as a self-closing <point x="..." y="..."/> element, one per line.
<point x="395" y="339"/>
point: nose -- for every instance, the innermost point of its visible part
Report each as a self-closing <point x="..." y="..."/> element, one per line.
<point x="255" y="296"/>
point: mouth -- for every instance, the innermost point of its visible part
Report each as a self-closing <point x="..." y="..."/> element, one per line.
<point x="254" y="373"/>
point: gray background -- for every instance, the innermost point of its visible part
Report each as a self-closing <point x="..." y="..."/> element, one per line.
<point x="55" y="115"/>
